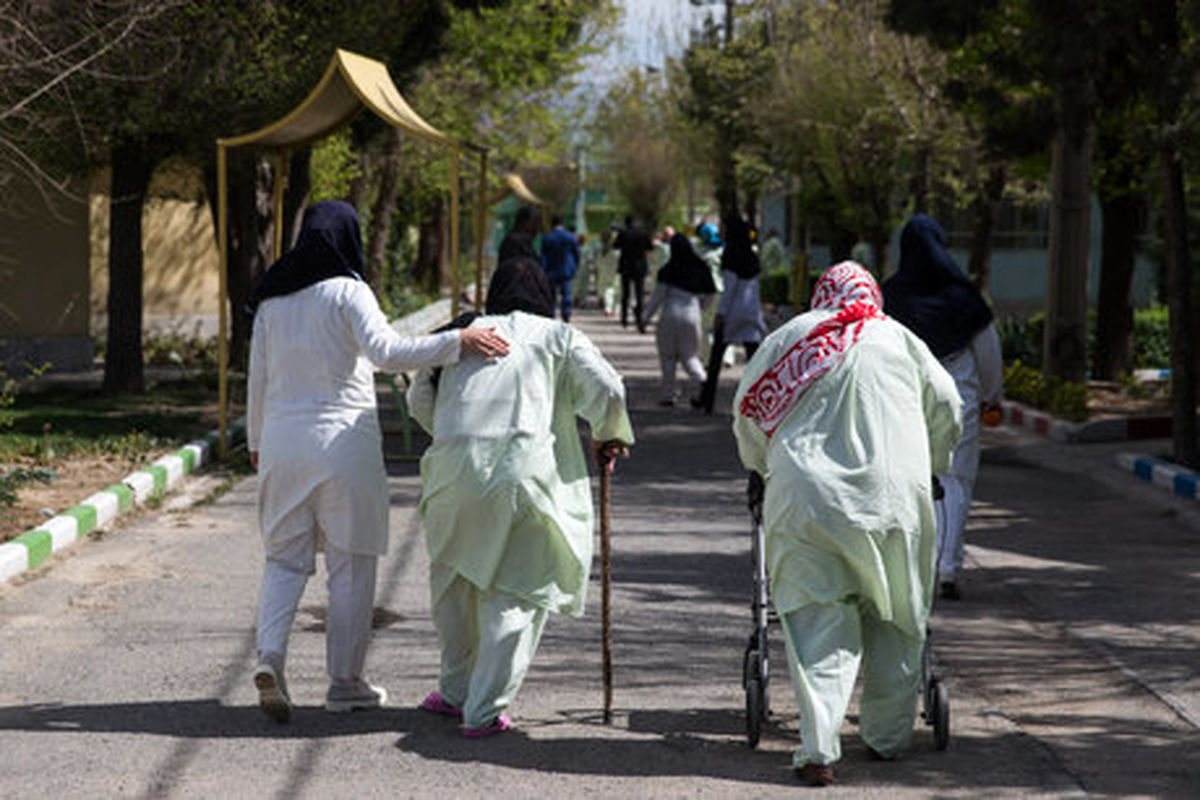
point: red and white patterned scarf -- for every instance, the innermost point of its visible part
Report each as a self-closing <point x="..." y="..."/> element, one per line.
<point x="850" y="289"/>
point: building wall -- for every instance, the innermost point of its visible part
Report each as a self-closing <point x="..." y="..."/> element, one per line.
<point x="180" y="282"/>
<point x="44" y="308"/>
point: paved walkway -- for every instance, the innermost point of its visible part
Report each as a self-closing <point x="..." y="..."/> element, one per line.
<point x="1072" y="660"/>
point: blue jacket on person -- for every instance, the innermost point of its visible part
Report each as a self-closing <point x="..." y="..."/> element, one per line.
<point x="560" y="254"/>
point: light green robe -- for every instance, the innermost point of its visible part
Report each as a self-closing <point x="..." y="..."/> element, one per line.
<point x="506" y="496"/>
<point x="848" y="511"/>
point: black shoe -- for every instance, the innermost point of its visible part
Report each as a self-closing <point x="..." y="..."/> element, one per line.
<point x="815" y="774"/>
<point x="949" y="591"/>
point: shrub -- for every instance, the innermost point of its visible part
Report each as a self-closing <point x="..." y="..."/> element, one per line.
<point x="775" y="287"/>
<point x="1063" y="399"/>
<point x="1151" y="338"/>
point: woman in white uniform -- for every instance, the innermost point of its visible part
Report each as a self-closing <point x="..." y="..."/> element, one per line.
<point x="684" y="286"/>
<point x="846" y="414"/>
<point x="932" y="297"/>
<point x="314" y="436"/>
<point x="506" y="495"/>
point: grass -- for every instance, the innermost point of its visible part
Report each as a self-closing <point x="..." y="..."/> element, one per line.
<point x="61" y="422"/>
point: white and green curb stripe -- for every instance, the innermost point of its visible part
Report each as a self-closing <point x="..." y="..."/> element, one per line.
<point x="34" y="546"/>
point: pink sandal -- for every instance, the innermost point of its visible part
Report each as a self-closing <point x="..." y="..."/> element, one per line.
<point x="437" y="704"/>
<point x="501" y="723"/>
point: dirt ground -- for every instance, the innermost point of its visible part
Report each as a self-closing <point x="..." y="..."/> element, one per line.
<point x="75" y="479"/>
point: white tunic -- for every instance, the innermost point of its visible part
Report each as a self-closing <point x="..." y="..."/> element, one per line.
<point x="311" y="412"/>
<point x="506" y="496"/>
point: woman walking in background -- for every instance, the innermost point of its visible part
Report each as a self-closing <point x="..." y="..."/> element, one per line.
<point x="934" y="299"/>
<point x="684" y="286"/>
<point x="739" y="317"/>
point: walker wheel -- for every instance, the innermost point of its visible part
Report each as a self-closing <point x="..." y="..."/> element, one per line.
<point x="941" y="715"/>
<point x="754" y="711"/>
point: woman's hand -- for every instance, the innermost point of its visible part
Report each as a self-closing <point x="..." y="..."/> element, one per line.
<point x="606" y="453"/>
<point x="483" y="341"/>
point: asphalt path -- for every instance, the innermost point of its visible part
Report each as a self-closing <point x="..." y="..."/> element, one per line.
<point x="1072" y="660"/>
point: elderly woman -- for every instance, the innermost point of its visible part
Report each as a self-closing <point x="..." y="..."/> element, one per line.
<point x="313" y="434"/>
<point x="847" y="414"/>
<point x="506" y="496"/>
<point x="934" y="299"/>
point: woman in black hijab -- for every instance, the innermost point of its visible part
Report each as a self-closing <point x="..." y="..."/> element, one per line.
<point x="739" y="317"/>
<point x="684" y="285"/>
<point x="934" y="299"/>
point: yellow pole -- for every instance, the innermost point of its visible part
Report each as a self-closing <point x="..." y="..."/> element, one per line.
<point x="480" y="233"/>
<point x="222" y="312"/>
<point x="282" y="162"/>
<point x="454" y="280"/>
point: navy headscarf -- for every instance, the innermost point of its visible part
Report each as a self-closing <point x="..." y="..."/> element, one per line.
<point x="738" y="255"/>
<point x="329" y="246"/>
<point x="685" y="269"/>
<point x="930" y="295"/>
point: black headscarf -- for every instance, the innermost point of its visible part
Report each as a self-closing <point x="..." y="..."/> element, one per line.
<point x="329" y="246"/>
<point x="685" y="269"/>
<point x="520" y="284"/>
<point x="739" y="256"/>
<point x="929" y="294"/>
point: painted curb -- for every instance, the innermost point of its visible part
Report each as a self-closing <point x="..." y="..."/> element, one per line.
<point x="1177" y="480"/>
<point x="1114" y="429"/>
<point x="34" y="546"/>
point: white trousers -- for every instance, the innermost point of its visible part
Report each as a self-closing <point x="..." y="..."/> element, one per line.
<point x="487" y="639"/>
<point x="952" y="510"/>
<point x="678" y="339"/>
<point x="826" y="643"/>
<point x="351" y="586"/>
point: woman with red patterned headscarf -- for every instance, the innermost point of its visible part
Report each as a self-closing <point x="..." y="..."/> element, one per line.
<point x="847" y="414"/>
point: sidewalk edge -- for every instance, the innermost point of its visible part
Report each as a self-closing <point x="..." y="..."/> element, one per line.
<point x="1179" y="481"/>
<point x="34" y="546"/>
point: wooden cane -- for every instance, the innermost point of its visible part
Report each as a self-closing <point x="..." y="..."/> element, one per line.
<point x="606" y="582"/>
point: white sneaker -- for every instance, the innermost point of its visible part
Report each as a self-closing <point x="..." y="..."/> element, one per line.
<point x="272" y="693"/>
<point x="354" y="697"/>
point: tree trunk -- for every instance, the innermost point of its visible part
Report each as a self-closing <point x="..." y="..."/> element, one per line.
<point x="123" y="366"/>
<point x="979" y="260"/>
<point x="919" y="185"/>
<point x="1179" y="291"/>
<point x="430" y="241"/>
<point x="1065" y="342"/>
<point x="295" y="195"/>
<point x="1122" y="218"/>
<point x="380" y="222"/>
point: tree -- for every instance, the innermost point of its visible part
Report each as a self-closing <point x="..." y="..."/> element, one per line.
<point x="635" y="121"/>
<point x="855" y="111"/>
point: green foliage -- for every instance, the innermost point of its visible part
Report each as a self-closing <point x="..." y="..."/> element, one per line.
<point x="1062" y="399"/>
<point x="775" y="287"/>
<point x="1021" y="339"/>
<point x="635" y="120"/>
<point x="333" y="167"/>
<point x="1151" y="338"/>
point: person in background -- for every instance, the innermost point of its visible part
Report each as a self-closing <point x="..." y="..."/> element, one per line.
<point x="313" y="434"/>
<point x="634" y="243"/>
<point x="739" y="317"/>
<point x="847" y="415"/>
<point x="506" y="498"/>
<point x="684" y="286"/>
<point x="560" y="259"/>
<point x="934" y="298"/>
<point x="518" y="242"/>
